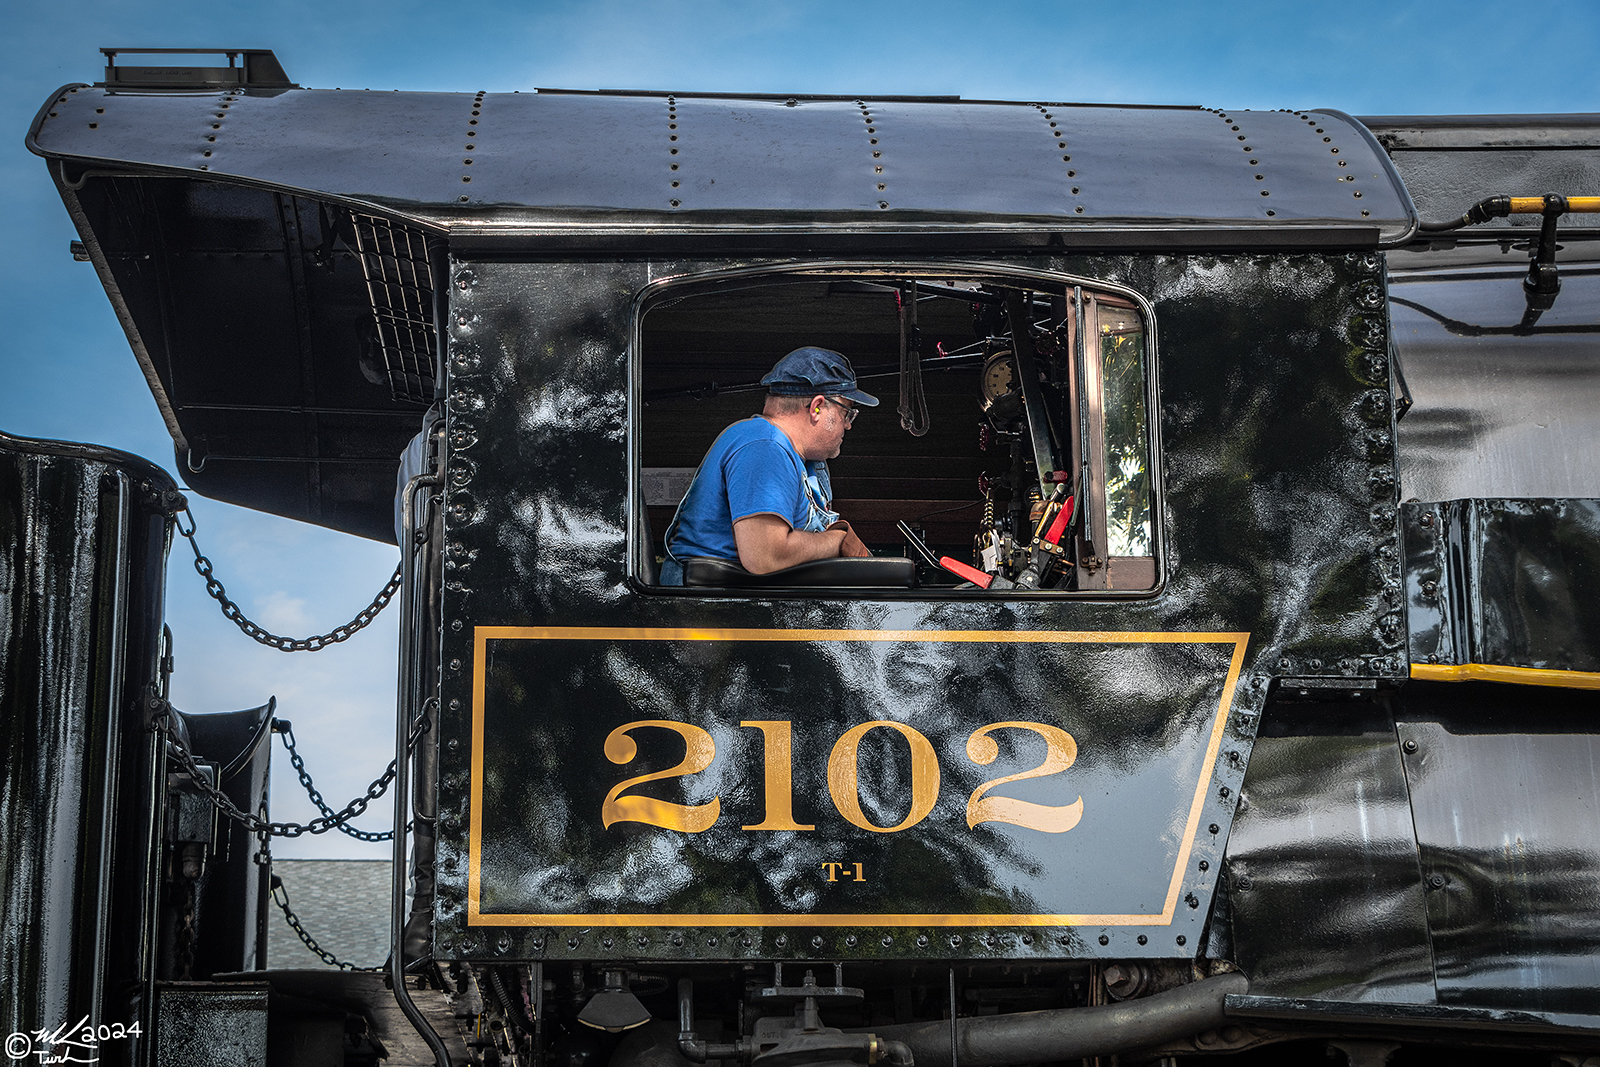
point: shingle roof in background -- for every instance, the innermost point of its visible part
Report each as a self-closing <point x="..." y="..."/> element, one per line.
<point x="343" y="904"/>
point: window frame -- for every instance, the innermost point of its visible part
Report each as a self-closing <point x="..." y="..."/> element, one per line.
<point x="679" y="286"/>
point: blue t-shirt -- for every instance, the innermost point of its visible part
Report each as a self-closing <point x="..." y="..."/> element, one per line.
<point x="751" y="469"/>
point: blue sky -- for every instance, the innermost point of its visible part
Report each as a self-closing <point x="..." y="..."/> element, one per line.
<point x="69" y="373"/>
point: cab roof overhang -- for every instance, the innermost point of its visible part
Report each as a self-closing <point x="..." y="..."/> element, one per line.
<point x="213" y="218"/>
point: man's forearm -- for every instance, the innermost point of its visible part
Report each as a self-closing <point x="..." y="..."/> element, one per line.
<point x="766" y="547"/>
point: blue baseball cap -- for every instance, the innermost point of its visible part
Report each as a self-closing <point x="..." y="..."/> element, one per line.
<point x="816" y="371"/>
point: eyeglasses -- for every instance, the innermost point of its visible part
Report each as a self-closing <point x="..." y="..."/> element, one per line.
<point x="850" y="413"/>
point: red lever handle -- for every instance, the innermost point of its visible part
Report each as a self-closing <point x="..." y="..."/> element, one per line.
<point x="961" y="570"/>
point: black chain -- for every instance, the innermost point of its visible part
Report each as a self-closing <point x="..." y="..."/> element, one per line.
<point x="280" y="897"/>
<point x="255" y="823"/>
<point x="231" y="612"/>
<point x="286" y="731"/>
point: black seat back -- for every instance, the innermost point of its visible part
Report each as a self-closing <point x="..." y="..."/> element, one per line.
<point x="846" y="572"/>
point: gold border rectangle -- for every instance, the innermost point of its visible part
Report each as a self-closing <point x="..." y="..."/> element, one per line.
<point x="482" y="635"/>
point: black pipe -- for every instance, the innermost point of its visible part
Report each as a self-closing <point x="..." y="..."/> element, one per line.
<point x="1072" y="1033"/>
<point x="1490" y="207"/>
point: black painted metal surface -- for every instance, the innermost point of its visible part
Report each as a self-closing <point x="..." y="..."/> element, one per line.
<point x="1325" y="887"/>
<point x="1509" y="582"/>
<point x="1497" y="413"/>
<point x="79" y="641"/>
<point x="231" y="900"/>
<point x="609" y="162"/>
<point x="1506" y="802"/>
<point x="1279" y="512"/>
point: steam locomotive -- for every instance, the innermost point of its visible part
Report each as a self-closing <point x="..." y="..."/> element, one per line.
<point x="1221" y="682"/>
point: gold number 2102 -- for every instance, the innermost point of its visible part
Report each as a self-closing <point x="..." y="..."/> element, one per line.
<point x="843" y="778"/>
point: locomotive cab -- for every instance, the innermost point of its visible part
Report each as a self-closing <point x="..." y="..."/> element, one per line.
<point x="1150" y="730"/>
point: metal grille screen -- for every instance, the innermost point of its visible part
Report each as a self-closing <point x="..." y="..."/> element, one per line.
<point x="394" y="259"/>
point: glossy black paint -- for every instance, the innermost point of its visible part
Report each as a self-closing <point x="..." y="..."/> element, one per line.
<point x="1506" y="800"/>
<point x="1324" y="883"/>
<point x="612" y="162"/>
<point x="1508" y="582"/>
<point x="1278" y="508"/>
<point x="72" y="679"/>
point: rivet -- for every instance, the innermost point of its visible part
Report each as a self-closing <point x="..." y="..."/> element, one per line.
<point x="673" y="137"/>
<point x="467" y="162"/>
<point x="745" y="942"/>
<point x="1143" y="940"/>
<point x="605" y="942"/>
<point x="1027" y="939"/>
<point x="1254" y="162"/>
<point x="455" y="702"/>
<point x="1074" y="190"/>
<point x="1072" y="174"/>
<point x="1411" y="744"/>
<point x="1104" y="940"/>
<point x="871" y="129"/>
<point x="572" y="942"/>
<point x="781" y="940"/>
<point x="1357" y="194"/>
<point x="922" y="940"/>
<point x="675" y="203"/>
<point x="1335" y="151"/>
<point x="850" y="942"/>
<point x="883" y="203"/>
<point x="455" y="664"/>
<point x="711" y="942"/>
<point x="466" y="177"/>
<point x="887" y="941"/>
<point x="1241" y="136"/>
<point x="1182" y="940"/>
<point x="1265" y="193"/>
<point x="816" y="942"/>
<point x="882" y="187"/>
<point x="207" y="153"/>
<point x="1327" y="140"/>
<point x="1343" y="163"/>
<point x="464" y="198"/>
<point x="1436" y="880"/>
<point x="877" y="155"/>
<point x="1271" y="212"/>
<point x="873" y="141"/>
<point x="1213" y="828"/>
<point x="1365" y="213"/>
<point x="677" y="940"/>
<point x="955" y="940"/>
<point x="674" y="183"/>
<point x="1261" y="177"/>
<point x="1205" y="865"/>
<point x="94" y="125"/>
<point x="1078" y="210"/>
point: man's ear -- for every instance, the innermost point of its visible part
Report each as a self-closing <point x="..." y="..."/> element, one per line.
<point x="818" y="402"/>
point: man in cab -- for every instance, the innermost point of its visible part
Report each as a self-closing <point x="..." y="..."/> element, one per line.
<point x="761" y="495"/>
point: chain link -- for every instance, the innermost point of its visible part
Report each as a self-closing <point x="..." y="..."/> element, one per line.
<point x="299" y="763"/>
<point x="280" y="897"/>
<point x="233" y="614"/>
<point x="255" y="823"/>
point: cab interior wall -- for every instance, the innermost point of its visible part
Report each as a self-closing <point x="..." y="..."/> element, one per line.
<point x="884" y="473"/>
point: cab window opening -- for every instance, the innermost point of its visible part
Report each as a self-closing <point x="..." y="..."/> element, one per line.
<point x="1049" y="492"/>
